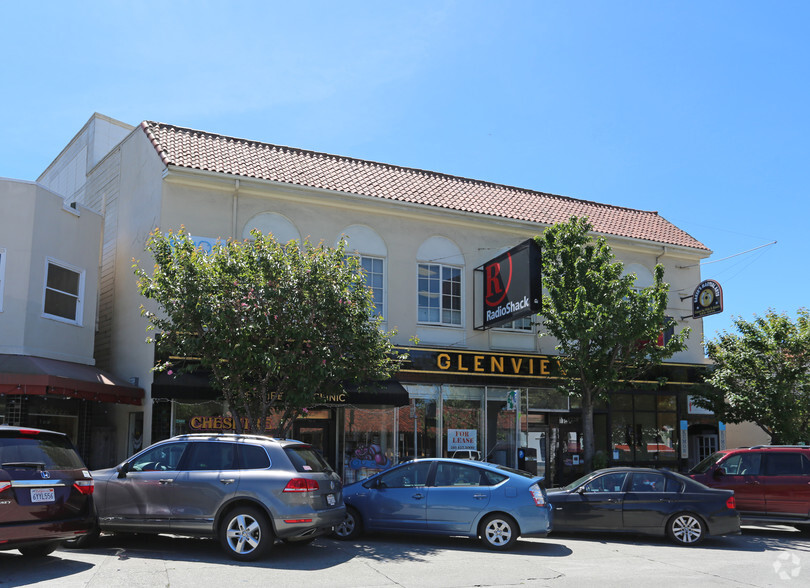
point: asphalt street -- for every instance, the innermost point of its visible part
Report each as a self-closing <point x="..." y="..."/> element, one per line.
<point x="775" y="556"/>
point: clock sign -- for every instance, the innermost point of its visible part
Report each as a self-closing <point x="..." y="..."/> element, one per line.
<point x="707" y="299"/>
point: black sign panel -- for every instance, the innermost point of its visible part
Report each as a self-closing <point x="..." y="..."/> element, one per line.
<point x="707" y="299"/>
<point x="512" y="285"/>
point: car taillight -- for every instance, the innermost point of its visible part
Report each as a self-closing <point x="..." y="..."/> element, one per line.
<point x="730" y="503"/>
<point x="4" y="486"/>
<point x="84" y="486"/>
<point x="537" y="494"/>
<point x="301" y="485"/>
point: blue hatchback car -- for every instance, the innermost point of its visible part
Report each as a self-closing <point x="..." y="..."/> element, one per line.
<point x="449" y="497"/>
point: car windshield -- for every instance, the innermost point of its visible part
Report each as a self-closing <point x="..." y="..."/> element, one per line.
<point x="705" y="465"/>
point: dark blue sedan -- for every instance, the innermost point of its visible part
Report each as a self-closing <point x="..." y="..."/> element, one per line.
<point x="452" y="497"/>
<point x="647" y="501"/>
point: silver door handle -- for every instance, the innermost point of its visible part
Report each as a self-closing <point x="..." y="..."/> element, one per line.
<point x="227" y="480"/>
<point x="479" y="496"/>
<point x="165" y="481"/>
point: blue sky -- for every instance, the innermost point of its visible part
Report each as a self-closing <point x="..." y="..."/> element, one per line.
<point x="697" y="110"/>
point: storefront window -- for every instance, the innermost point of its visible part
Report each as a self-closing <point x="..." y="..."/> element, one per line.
<point x="501" y="439"/>
<point x="186" y="417"/>
<point x="462" y="421"/>
<point x="369" y="445"/>
<point x="643" y="428"/>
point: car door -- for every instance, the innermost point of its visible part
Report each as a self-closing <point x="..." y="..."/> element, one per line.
<point x="397" y="499"/>
<point x="596" y="505"/>
<point x="140" y="497"/>
<point x="647" y="502"/>
<point x="786" y="484"/>
<point x="741" y="472"/>
<point x="456" y="497"/>
<point x="207" y="479"/>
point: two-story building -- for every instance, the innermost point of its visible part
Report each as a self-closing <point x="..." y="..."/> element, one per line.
<point x="421" y="236"/>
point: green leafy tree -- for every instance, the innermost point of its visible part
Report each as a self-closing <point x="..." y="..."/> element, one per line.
<point x="607" y="330"/>
<point x="277" y="326"/>
<point x="761" y="374"/>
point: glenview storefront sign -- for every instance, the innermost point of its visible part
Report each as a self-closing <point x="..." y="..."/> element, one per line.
<point x="477" y="363"/>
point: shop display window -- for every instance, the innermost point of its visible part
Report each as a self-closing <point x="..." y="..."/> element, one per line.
<point x="369" y="445"/>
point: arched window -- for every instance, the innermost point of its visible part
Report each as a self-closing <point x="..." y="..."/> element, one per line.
<point x="440" y="282"/>
<point x="370" y="249"/>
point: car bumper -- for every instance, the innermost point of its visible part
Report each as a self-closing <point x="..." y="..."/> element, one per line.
<point x="725" y="524"/>
<point x="39" y="532"/>
<point x="309" y="525"/>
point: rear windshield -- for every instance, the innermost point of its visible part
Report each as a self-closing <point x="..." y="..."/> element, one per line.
<point x="305" y="459"/>
<point x="53" y="452"/>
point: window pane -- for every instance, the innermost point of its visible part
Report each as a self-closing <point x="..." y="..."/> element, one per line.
<point x="59" y="304"/>
<point x="63" y="279"/>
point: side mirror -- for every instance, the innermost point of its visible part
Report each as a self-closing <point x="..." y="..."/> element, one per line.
<point x="123" y="469"/>
<point x="718" y="473"/>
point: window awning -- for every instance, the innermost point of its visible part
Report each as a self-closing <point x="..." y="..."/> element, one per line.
<point x="38" y="376"/>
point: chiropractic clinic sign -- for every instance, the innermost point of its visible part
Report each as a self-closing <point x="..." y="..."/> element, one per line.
<point x="512" y="285"/>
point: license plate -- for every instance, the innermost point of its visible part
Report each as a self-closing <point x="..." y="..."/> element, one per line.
<point x="42" y="495"/>
<point x="330" y="499"/>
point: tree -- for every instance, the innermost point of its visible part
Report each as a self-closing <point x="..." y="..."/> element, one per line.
<point x="607" y="331"/>
<point x="762" y="375"/>
<point x="277" y="326"/>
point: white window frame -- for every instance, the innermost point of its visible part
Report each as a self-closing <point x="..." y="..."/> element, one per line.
<point x="441" y="322"/>
<point x="2" y="275"/>
<point x="360" y="257"/>
<point x="511" y="325"/>
<point x="79" y="295"/>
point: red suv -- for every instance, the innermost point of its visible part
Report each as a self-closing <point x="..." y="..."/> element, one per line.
<point x="771" y="483"/>
<point x="45" y="491"/>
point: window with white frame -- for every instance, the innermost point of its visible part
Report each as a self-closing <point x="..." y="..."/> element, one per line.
<point x="2" y="275"/>
<point x="521" y="324"/>
<point x="373" y="270"/>
<point x="439" y="294"/>
<point x="64" y="286"/>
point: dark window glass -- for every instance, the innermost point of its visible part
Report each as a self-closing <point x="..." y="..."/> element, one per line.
<point x="164" y="457"/>
<point x="305" y="459"/>
<point x="407" y="476"/>
<point x="783" y="464"/>
<point x="211" y="456"/>
<point x="648" y="482"/>
<point x="674" y="485"/>
<point x="607" y="483"/>
<point x="492" y="479"/>
<point x="454" y="474"/>
<point x="54" y="452"/>
<point x="253" y="457"/>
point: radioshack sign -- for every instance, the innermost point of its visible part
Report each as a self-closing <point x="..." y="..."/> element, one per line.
<point x="512" y="286"/>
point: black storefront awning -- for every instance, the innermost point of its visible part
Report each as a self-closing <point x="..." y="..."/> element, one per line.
<point x="22" y="375"/>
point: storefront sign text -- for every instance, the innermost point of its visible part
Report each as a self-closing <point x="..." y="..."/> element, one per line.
<point x="462" y="439"/>
<point x="473" y="363"/>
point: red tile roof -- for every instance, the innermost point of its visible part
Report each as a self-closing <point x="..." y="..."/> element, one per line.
<point x="200" y="150"/>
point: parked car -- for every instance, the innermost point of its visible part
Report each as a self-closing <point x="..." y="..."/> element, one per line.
<point x="449" y="497"/>
<point x="771" y="483"/>
<point x="46" y="491"/>
<point x="466" y="454"/>
<point x="246" y="490"/>
<point x="646" y="501"/>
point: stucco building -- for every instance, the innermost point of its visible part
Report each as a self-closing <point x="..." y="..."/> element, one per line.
<point x="421" y="235"/>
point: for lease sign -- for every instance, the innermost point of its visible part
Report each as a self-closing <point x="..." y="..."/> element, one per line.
<point x="462" y="439"/>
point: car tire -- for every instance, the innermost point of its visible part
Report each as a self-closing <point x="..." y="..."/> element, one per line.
<point x="38" y="550"/>
<point x="246" y="533"/>
<point x="686" y="528"/>
<point x="351" y="527"/>
<point x="498" y="532"/>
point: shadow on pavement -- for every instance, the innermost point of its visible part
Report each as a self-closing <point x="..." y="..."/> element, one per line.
<point x="40" y="569"/>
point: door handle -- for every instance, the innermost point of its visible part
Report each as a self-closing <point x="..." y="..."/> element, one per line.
<point x="165" y="481"/>
<point x="226" y="481"/>
<point x="418" y="496"/>
<point x="479" y="496"/>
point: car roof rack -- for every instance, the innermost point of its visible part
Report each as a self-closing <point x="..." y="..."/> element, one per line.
<point x="764" y="446"/>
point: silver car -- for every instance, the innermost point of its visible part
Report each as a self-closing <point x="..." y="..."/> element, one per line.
<point x="246" y="490"/>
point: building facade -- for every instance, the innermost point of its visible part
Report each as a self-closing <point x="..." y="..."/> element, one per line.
<point x="420" y="236"/>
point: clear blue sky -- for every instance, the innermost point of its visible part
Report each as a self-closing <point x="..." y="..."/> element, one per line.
<point x="698" y="110"/>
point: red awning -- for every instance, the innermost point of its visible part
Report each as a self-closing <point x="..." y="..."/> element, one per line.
<point x="38" y="376"/>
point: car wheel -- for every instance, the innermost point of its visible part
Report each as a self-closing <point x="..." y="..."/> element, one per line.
<point x="351" y="527"/>
<point x="686" y="529"/>
<point x="245" y="534"/>
<point x="499" y="531"/>
<point x="38" y="550"/>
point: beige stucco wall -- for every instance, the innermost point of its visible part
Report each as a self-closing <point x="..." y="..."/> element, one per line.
<point x="36" y="226"/>
<point x="745" y="435"/>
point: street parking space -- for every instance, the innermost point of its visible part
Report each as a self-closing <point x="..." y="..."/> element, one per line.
<point x="773" y="556"/>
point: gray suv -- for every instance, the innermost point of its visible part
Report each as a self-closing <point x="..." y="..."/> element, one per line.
<point x="246" y="490"/>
